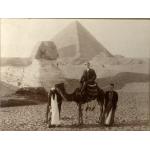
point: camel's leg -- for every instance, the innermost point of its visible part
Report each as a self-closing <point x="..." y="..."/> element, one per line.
<point x="48" y="116"/>
<point x="81" y="115"/>
<point x="59" y="107"/>
<point x="49" y="119"/>
<point x="101" y="112"/>
<point x="80" y="118"/>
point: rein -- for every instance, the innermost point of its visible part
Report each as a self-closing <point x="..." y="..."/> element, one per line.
<point x="59" y="91"/>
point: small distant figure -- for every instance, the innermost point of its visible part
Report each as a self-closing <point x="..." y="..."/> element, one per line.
<point x="88" y="77"/>
<point x="57" y="64"/>
<point x="18" y="83"/>
<point x="111" y="99"/>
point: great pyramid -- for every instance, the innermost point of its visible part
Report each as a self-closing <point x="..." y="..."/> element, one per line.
<point x="76" y="41"/>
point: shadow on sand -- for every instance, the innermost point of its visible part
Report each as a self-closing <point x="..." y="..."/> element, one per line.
<point x="123" y="126"/>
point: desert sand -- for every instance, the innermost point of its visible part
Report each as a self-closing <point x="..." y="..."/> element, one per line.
<point x="132" y="114"/>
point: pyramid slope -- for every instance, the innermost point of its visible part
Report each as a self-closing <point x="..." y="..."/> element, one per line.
<point x="88" y="45"/>
<point x="75" y="41"/>
<point x="67" y="41"/>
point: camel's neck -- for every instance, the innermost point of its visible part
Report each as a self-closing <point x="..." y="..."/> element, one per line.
<point x="65" y="95"/>
<point x="69" y="97"/>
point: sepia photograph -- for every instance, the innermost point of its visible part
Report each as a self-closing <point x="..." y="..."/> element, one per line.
<point x="74" y="74"/>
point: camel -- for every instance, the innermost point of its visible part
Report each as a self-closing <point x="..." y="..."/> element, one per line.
<point x="76" y="96"/>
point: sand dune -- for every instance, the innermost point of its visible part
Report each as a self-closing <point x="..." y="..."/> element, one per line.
<point x="6" y="89"/>
<point x="137" y="87"/>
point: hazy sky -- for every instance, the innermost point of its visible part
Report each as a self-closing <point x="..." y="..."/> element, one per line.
<point x="126" y="37"/>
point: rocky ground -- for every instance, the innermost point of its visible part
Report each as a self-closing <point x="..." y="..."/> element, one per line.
<point x="132" y="114"/>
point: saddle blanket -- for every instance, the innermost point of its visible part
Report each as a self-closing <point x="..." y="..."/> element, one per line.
<point x="91" y="90"/>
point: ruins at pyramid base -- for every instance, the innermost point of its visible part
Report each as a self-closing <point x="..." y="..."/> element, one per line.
<point x="42" y="73"/>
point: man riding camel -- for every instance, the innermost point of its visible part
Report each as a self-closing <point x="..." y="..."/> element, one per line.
<point x="88" y="77"/>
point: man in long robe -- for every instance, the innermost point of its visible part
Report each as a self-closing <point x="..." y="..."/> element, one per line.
<point x="111" y="99"/>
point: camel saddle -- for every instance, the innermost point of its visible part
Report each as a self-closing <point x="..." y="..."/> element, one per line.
<point x="91" y="91"/>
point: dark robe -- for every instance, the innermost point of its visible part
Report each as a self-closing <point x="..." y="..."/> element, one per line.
<point x="111" y="99"/>
<point x="88" y="78"/>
